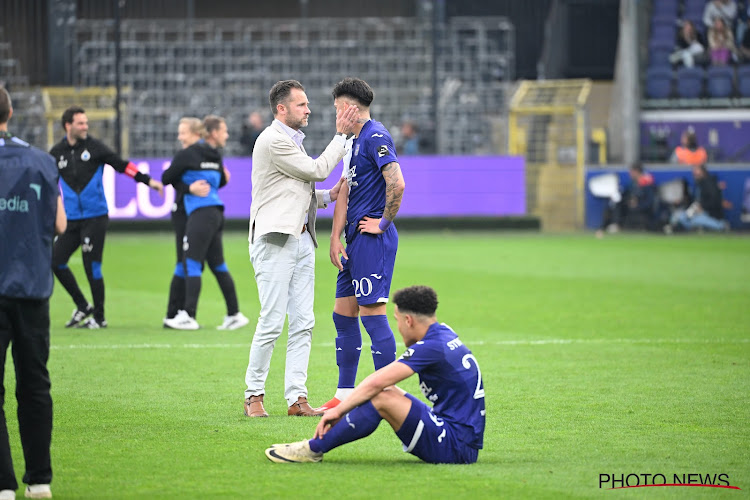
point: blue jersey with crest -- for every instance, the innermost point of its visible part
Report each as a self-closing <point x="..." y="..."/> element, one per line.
<point x="371" y="150"/>
<point x="450" y="378"/>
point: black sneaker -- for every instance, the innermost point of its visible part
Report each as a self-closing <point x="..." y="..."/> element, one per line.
<point x="79" y="315"/>
<point x="92" y="324"/>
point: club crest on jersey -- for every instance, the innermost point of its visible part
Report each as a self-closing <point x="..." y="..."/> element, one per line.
<point x="85" y="156"/>
<point x="382" y="151"/>
<point x="62" y="162"/>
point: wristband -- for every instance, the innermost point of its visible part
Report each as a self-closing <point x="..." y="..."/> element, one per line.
<point x="384" y="224"/>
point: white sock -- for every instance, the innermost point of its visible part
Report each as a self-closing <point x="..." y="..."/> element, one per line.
<point x="342" y="394"/>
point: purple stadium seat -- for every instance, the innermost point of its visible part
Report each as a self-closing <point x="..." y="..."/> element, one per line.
<point x="719" y="81"/>
<point x="743" y="80"/>
<point x="664" y="20"/>
<point x="658" y="83"/>
<point x="690" y="82"/>
<point x="664" y="32"/>
<point x="659" y="52"/>
<point x="665" y="7"/>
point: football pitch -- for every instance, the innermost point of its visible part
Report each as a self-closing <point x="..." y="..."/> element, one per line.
<point x="628" y="355"/>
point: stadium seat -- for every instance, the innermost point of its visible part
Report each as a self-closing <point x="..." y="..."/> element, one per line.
<point x="719" y="81"/>
<point x="665" y="7"/>
<point x="659" y="52"/>
<point x="690" y="82"/>
<point x="743" y="80"/>
<point x="659" y="83"/>
<point x="664" y="32"/>
<point x="663" y="20"/>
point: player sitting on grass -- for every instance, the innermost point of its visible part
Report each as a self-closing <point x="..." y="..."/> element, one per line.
<point x="450" y="432"/>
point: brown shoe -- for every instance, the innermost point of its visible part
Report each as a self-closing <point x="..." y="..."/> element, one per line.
<point x="303" y="409"/>
<point x="254" y="406"/>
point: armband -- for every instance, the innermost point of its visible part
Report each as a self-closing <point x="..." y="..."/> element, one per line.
<point x="131" y="169"/>
<point x="384" y="224"/>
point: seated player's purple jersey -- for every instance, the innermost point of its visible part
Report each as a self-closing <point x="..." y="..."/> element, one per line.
<point x="371" y="150"/>
<point x="450" y="378"/>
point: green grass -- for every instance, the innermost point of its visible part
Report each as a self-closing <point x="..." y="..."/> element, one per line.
<point x="624" y="355"/>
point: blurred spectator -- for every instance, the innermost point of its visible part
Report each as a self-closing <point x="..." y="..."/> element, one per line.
<point x="707" y="209"/>
<point x="688" y="152"/>
<point x="636" y="210"/>
<point x="744" y="48"/>
<point x="721" y="43"/>
<point x="724" y="9"/>
<point x="690" y="45"/>
<point x="674" y="195"/>
<point x="251" y="129"/>
<point x="409" y="139"/>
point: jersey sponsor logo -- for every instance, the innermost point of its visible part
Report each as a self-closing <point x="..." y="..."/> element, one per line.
<point x="350" y="174"/>
<point x="210" y="165"/>
<point x="85" y="156"/>
<point x="376" y="135"/>
<point x="62" y="162"/>
<point x="382" y="151"/>
<point x="376" y="276"/>
<point x="14" y="204"/>
<point x="432" y="398"/>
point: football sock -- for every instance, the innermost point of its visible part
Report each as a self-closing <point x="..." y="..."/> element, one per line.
<point x="192" y="285"/>
<point x="348" y="348"/>
<point x="68" y="281"/>
<point x="192" y="291"/>
<point x="97" y="294"/>
<point x="96" y="282"/>
<point x="381" y="336"/>
<point x="226" y="284"/>
<point x="343" y="393"/>
<point x="358" y="423"/>
<point x="176" y="296"/>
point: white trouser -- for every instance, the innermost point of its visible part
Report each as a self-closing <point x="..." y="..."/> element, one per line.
<point x="285" y="273"/>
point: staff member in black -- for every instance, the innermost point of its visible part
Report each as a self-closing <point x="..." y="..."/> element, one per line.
<point x="31" y="212"/>
<point x="205" y="224"/>
<point x="81" y="159"/>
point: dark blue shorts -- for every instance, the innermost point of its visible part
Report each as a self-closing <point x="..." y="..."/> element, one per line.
<point x="368" y="273"/>
<point x="429" y="437"/>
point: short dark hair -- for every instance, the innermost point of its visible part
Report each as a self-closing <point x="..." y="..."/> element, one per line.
<point x="68" y="114"/>
<point x="638" y="167"/>
<point x="356" y="88"/>
<point x="691" y="139"/>
<point x="212" y="122"/>
<point x="418" y="299"/>
<point x="5" y="105"/>
<point x="280" y="92"/>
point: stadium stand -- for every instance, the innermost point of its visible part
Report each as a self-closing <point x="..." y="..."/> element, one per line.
<point x="177" y="68"/>
<point x="699" y="87"/>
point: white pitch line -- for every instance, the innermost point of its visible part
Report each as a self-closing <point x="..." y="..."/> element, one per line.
<point x="476" y="342"/>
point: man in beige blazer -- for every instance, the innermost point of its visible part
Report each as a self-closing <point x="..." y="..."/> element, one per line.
<point x="282" y="240"/>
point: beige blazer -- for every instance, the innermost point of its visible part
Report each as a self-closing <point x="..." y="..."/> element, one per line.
<point x="284" y="183"/>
